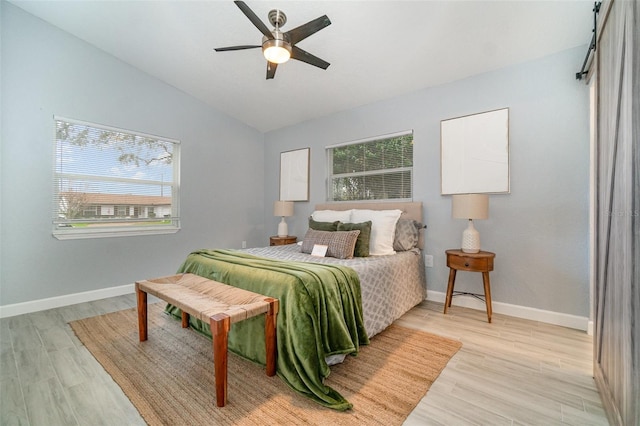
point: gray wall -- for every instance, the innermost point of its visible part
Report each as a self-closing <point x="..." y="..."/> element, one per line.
<point x="46" y="71"/>
<point x="539" y="231"/>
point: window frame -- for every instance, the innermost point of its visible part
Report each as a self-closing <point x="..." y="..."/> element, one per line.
<point x="331" y="176"/>
<point x="62" y="229"/>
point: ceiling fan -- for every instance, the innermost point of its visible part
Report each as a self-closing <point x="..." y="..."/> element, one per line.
<point x="277" y="46"/>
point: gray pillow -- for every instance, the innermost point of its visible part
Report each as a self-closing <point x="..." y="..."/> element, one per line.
<point x="407" y="234"/>
<point x="340" y="244"/>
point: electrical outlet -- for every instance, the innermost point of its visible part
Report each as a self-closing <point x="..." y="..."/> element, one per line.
<point x="428" y="260"/>
<point x="244" y="244"/>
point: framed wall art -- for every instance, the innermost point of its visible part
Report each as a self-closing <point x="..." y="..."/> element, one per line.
<point x="294" y="175"/>
<point x="475" y="153"/>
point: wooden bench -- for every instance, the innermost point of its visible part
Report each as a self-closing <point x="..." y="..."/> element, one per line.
<point x="215" y="303"/>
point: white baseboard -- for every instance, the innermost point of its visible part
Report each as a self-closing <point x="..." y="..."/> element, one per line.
<point x="66" y="300"/>
<point x="550" y="317"/>
<point x="565" y="320"/>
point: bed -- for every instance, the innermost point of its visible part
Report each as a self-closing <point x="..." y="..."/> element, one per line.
<point x="329" y="306"/>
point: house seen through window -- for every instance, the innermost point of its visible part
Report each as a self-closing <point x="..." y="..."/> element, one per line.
<point x="113" y="182"/>
<point x="378" y="168"/>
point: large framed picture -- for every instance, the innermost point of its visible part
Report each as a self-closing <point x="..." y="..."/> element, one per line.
<point x="294" y="175"/>
<point x="475" y="153"/>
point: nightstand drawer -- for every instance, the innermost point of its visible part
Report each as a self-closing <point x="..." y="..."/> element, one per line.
<point x="281" y="241"/>
<point x="468" y="263"/>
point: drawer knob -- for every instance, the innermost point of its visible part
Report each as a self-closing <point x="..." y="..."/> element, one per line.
<point x="466" y="264"/>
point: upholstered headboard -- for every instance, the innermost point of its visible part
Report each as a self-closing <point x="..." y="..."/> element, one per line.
<point x="410" y="210"/>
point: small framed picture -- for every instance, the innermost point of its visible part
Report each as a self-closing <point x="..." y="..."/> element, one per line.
<point x="319" y="250"/>
<point x="294" y="175"/>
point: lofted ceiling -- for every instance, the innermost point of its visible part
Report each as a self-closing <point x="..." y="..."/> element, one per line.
<point x="377" y="49"/>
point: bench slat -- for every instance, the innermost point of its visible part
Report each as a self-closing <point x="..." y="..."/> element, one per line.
<point x="204" y="298"/>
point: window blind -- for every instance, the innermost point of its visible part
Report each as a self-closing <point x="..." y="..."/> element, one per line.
<point x="109" y="181"/>
<point x="378" y="168"/>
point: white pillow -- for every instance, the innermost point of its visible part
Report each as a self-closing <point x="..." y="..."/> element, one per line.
<point x="383" y="229"/>
<point x="331" y="215"/>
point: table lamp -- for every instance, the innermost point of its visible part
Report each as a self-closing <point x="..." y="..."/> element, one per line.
<point x="470" y="206"/>
<point x="283" y="209"/>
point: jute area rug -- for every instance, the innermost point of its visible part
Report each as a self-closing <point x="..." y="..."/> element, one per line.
<point x="169" y="378"/>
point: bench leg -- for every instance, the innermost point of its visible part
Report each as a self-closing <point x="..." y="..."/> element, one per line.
<point x="142" y="314"/>
<point x="220" y="325"/>
<point x="270" y="336"/>
<point x="185" y="320"/>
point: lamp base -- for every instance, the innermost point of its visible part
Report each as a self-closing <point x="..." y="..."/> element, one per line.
<point x="283" y="229"/>
<point x="470" y="239"/>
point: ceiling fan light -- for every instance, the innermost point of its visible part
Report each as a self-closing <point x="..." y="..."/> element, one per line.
<point x="276" y="51"/>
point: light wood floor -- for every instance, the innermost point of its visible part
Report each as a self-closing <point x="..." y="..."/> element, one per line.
<point x="511" y="372"/>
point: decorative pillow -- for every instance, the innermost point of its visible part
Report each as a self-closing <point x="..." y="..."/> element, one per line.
<point x="332" y="215"/>
<point x="340" y="244"/>
<point x="383" y="228"/>
<point x="407" y="234"/>
<point x="323" y="226"/>
<point x="362" y="244"/>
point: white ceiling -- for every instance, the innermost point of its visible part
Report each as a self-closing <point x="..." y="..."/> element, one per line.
<point x="377" y="49"/>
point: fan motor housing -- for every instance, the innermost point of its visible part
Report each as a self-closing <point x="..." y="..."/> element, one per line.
<point x="280" y="40"/>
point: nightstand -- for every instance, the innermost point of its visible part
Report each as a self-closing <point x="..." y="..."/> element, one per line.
<point x="457" y="260"/>
<point x="281" y="241"/>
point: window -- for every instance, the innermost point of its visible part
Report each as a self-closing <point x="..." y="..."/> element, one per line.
<point x="113" y="182"/>
<point x="378" y="168"/>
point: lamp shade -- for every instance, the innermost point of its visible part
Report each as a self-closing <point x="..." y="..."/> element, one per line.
<point x="283" y="208"/>
<point x="470" y="206"/>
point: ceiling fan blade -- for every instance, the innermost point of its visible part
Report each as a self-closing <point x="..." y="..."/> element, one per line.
<point x="271" y="70"/>
<point x="254" y="19"/>
<point x="304" y="56"/>
<point x="225" y="49"/>
<point x="305" y="30"/>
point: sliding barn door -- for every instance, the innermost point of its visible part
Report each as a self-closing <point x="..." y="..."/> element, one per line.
<point x="617" y="290"/>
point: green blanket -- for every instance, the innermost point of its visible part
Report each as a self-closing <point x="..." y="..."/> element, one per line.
<point x="320" y="315"/>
